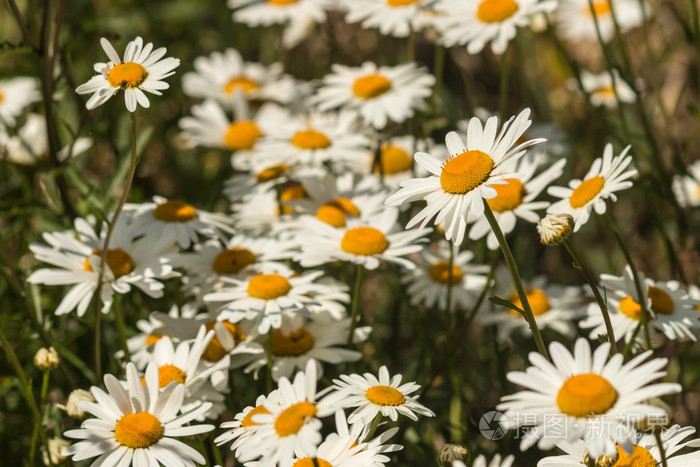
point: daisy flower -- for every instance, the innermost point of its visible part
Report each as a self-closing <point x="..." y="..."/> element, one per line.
<point x="481" y="461"/>
<point x="371" y="396"/>
<point x="456" y="189"/>
<point x="361" y="241"/>
<point x="585" y="396"/>
<point x="129" y="263"/>
<point x="606" y="176"/>
<point x="476" y="22"/>
<point x="15" y="95"/>
<point x="221" y="74"/>
<point x="601" y="89"/>
<point x="516" y="199"/>
<point x="575" y="20"/>
<point x="255" y="13"/>
<point x="392" y="17"/>
<point x="687" y="187"/>
<point x="242" y="426"/>
<point x="428" y="283"/>
<point x="141" y="345"/>
<point x="379" y="94"/>
<point x="259" y="212"/>
<point x="143" y="69"/>
<point x="137" y="423"/>
<point x="645" y="451"/>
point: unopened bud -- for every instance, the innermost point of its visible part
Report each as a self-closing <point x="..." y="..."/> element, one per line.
<point x="56" y="447"/>
<point x="453" y="455"/>
<point x="555" y="228"/>
<point x="72" y="407"/>
<point x="46" y="359"/>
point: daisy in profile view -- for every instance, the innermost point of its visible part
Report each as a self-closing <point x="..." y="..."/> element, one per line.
<point x="456" y="188"/>
<point x="143" y="69"/>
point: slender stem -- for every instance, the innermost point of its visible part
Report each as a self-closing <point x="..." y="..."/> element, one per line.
<point x="629" y="345"/>
<point x="596" y="292"/>
<point x="438" y="68"/>
<point x="516" y="279"/>
<point x="268" y="349"/>
<point x="37" y="426"/>
<point x="450" y="265"/>
<point x="119" y="318"/>
<point x="503" y="92"/>
<point x="660" y="444"/>
<point x="23" y="26"/>
<point x="217" y="453"/>
<point x="373" y="428"/>
<point x="356" y="298"/>
<point x="411" y="44"/>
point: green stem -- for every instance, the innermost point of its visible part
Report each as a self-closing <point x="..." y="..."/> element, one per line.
<point x="516" y="279"/>
<point x="629" y="345"/>
<point x="356" y="298"/>
<point x="660" y="444"/>
<point x="373" y="428"/>
<point x="503" y="92"/>
<point x="596" y="292"/>
<point x="268" y="382"/>
<point x="119" y="318"/>
<point x="450" y="265"/>
<point x="438" y="68"/>
<point x="217" y="453"/>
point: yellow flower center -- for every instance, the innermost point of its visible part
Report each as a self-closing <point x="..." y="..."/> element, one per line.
<point x="2" y="96"/>
<point x="281" y="2"/>
<point x="309" y="462"/>
<point x="630" y="308"/>
<point x="586" y="191"/>
<point x="334" y="212"/>
<point x="138" y="430"/>
<point x="293" y="191"/>
<point x="537" y="298"/>
<point x="271" y="173"/>
<point x="509" y="196"/>
<point x="661" y="301"/>
<point x="586" y="394"/>
<point x="369" y="86"/>
<point x="606" y="92"/>
<point x="385" y="395"/>
<point x="292" y="419"/>
<point x="295" y="343"/>
<point x="496" y="11"/>
<point x="242" y="135"/>
<point x="175" y="211"/>
<point x="233" y="260"/>
<point x="440" y="272"/>
<point x="464" y="172"/>
<point x="268" y="286"/>
<point x="400" y="2"/>
<point x="364" y="241"/>
<point x="169" y="373"/>
<point x="248" y="419"/>
<point x="152" y="338"/>
<point x="640" y="457"/>
<point x="126" y="75"/>
<point x="215" y="351"/>
<point x="240" y="82"/>
<point x="118" y="260"/>
<point x="599" y="8"/>
<point x="310" y="139"/>
<point x="394" y="160"/>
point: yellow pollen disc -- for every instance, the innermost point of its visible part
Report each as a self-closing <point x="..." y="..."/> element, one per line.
<point x="215" y="351"/>
<point x="126" y="75"/>
<point x="233" y="260"/>
<point x="401" y="2"/>
<point x="364" y="241"/>
<point x="152" y="338"/>
<point x="394" y="160"/>
<point x="295" y="343"/>
<point x="310" y="139"/>
<point x="334" y="212"/>
<point x="240" y="82"/>
<point x="464" y="172"/>
<point x="281" y="2"/>
<point x="242" y="135"/>
<point x="608" y="92"/>
<point x="509" y="196"/>
<point x="630" y="308"/>
<point x="169" y="373"/>
<point x="248" y="419"/>
<point x="117" y="259"/>
<point x="440" y="272"/>
<point x="496" y="11"/>
<point x="268" y="286"/>
<point x="385" y="395"/>
<point x="640" y="457"/>
<point x="586" y="394"/>
<point x="138" y="430"/>
<point x="309" y="462"/>
<point x="536" y="297"/>
<point x="599" y="8"/>
<point x="293" y="191"/>
<point x="292" y="419"/>
<point x="661" y="301"/>
<point x="369" y="86"/>
<point x="271" y="173"/>
<point x="2" y="96"/>
<point x="175" y="211"/>
<point x="586" y="191"/>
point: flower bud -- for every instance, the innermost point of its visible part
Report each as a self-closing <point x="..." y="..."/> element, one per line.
<point x="453" y="455"/>
<point x="56" y="447"/>
<point x="72" y="407"/>
<point x="555" y="228"/>
<point x="46" y="359"/>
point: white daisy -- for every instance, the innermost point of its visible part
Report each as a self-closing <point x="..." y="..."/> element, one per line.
<point x="136" y="424"/>
<point x="143" y="69"/>
<point x="496" y="461"/>
<point x="372" y="396"/>
<point x="130" y="262"/>
<point x="268" y="12"/>
<point x="584" y="396"/>
<point x="606" y="176"/>
<point x="362" y="241"/>
<point x="687" y="187"/>
<point x="457" y="187"/>
<point x="379" y="94"/>
<point x="15" y="95"/>
<point x="476" y="22"/>
<point x="602" y="92"/>
<point x="260" y="212"/>
<point x="392" y="17"/>
<point x="575" y="20"/>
